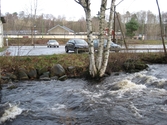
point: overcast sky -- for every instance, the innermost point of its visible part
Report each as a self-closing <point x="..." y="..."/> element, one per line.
<point x="73" y="11"/>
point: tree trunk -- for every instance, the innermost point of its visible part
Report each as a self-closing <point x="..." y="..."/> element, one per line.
<point x="107" y="49"/>
<point x="161" y="28"/>
<point x="98" y="67"/>
<point x="101" y="35"/>
<point x="92" y="68"/>
<point x="86" y="5"/>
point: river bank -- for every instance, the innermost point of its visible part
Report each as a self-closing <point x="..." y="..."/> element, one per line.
<point x="72" y="65"/>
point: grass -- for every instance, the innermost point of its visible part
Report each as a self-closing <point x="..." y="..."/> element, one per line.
<point x="146" y="42"/>
<point x="9" y="63"/>
<point x="115" y="63"/>
<point x="3" y="49"/>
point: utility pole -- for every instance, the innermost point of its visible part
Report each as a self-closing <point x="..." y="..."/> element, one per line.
<point x="0" y="8"/>
<point x="122" y="31"/>
<point x="161" y="27"/>
<point x="114" y="40"/>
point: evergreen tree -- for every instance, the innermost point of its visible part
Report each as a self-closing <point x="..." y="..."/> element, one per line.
<point x="131" y="27"/>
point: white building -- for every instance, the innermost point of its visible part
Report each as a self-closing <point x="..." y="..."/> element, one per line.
<point x="2" y="20"/>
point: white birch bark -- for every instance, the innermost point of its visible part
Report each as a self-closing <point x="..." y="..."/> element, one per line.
<point x="107" y="49"/>
<point x="92" y="68"/>
<point x="99" y="59"/>
<point x="86" y="5"/>
<point x="98" y="67"/>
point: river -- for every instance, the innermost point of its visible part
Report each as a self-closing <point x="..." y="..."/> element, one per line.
<point x="125" y="99"/>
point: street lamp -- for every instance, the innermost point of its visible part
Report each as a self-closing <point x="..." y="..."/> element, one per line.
<point x="165" y="22"/>
<point x="34" y="35"/>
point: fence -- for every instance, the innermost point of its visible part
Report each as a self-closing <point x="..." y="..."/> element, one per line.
<point x="58" y="36"/>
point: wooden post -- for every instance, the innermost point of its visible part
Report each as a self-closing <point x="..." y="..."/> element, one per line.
<point x="121" y="31"/>
<point x="114" y="25"/>
<point x="161" y="27"/>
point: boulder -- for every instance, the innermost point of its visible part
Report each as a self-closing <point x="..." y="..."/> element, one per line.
<point x="63" y="78"/>
<point x="42" y="71"/>
<point x="54" y="78"/>
<point x="71" y="68"/>
<point x="32" y="73"/>
<point x="134" y="65"/>
<point x="57" y="70"/>
<point x="22" y="75"/>
<point x="9" y="76"/>
<point x="45" y="76"/>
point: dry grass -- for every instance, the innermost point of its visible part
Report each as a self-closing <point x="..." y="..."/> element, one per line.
<point x="115" y="63"/>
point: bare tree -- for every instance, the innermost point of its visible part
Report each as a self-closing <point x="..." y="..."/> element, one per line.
<point x="99" y="60"/>
<point x="107" y="49"/>
<point x="86" y="5"/>
<point x="97" y="65"/>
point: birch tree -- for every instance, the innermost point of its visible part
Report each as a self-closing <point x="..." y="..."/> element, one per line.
<point x="107" y="51"/>
<point x="86" y="6"/>
<point x="99" y="59"/>
<point x="98" y="64"/>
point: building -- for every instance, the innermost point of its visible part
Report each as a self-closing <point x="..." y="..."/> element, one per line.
<point x="2" y="20"/>
<point x="60" y="30"/>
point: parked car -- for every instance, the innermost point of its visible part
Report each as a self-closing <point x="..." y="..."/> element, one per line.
<point x="52" y="43"/>
<point x="76" y="45"/>
<point x="113" y="47"/>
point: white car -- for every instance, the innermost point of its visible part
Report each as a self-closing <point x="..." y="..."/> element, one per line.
<point x="52" y="43"/>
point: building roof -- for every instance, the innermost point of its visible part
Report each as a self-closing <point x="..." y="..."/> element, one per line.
<point x="63" y="27"/>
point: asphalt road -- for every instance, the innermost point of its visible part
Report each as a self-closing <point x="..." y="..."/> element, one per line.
<point x="44" y="50"/>
<point x="33" y="50"/>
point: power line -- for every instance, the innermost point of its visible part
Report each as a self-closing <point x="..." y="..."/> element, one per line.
<point x="119" y="2"/>
<point x="131" y="4"/>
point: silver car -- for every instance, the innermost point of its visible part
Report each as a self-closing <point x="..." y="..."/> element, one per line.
<point x="113" y="46"/>
<point x="52" y="43"/>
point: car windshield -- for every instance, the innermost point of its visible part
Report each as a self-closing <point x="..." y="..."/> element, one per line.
<point x="80" y="41"/>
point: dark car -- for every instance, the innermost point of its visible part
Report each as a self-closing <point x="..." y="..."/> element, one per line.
<point x="52" y="43"/>
<point x="76" y="45"/>
<point x="113" y="46"/>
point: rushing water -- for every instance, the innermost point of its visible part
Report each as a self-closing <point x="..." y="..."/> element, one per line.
<point x="124" y="99"/>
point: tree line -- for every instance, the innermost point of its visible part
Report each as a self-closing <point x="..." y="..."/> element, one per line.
<point x="147" y="23"/>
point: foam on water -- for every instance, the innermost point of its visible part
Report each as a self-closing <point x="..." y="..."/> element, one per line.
<point x="57" y="107"/>
<point x="129" y="85"/>
<point x="150" y="80"/>
<point x="135" y="111"/>
<point x="10" y="113"/>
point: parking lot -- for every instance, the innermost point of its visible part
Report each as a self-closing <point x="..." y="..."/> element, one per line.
<point x="44" y="50"/>
<point x="32" y="50"/>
